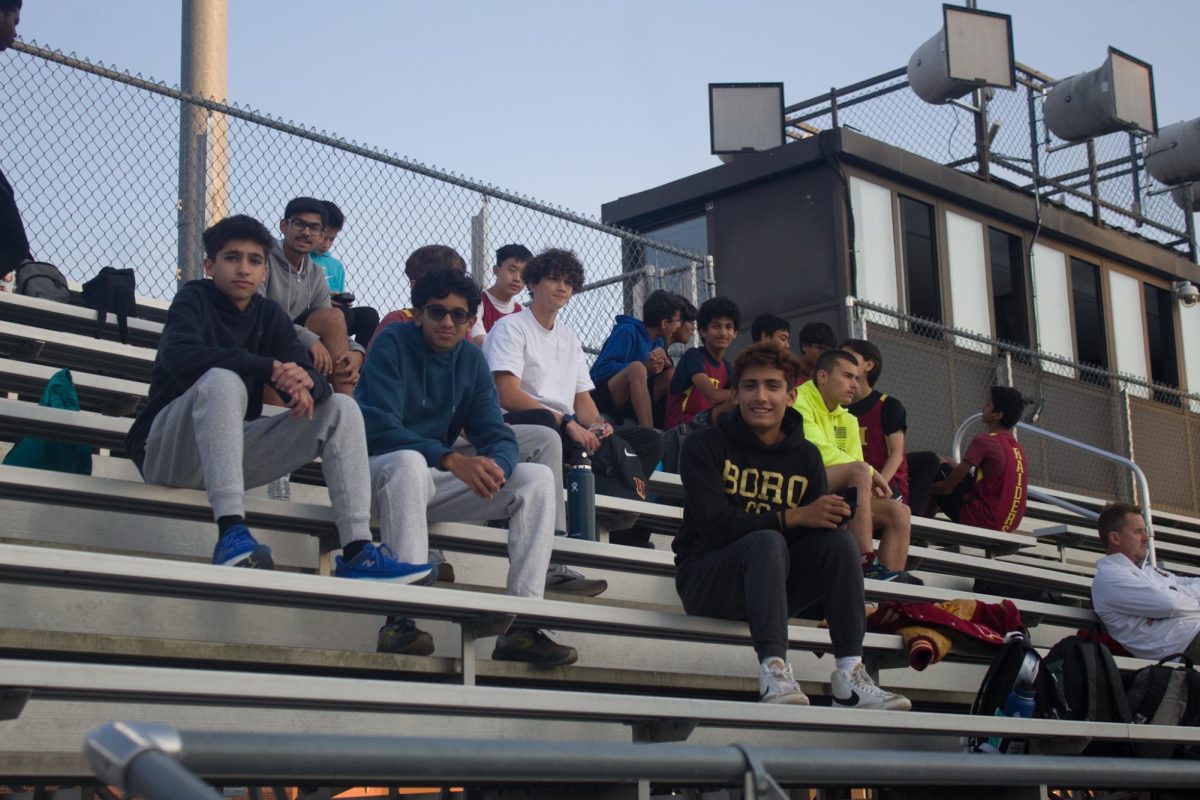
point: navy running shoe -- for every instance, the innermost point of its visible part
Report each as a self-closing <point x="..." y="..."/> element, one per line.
<point x="379" y="563"/>
<point x="237" y="548"/>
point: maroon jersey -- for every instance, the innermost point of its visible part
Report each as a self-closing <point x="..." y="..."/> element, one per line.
<point x="490" y="313"/>
<point x="683" y="401"/>
<point x="879" y="416"/>
<point x="997" y="498"/>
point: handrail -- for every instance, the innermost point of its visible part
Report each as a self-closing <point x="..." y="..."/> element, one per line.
<point x="164" y="763"/>
<point x="1025" y="427"/>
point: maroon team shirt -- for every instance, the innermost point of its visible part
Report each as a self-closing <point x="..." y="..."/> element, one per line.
<point x="683" y="401"/>
<point x="997" y="498"/>
<point x="491" y="314"/>
<point x="879" y="416"/>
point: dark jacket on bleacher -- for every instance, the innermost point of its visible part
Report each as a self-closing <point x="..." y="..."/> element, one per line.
<point x="734" y="484"/>
<point x="205" y="330"/>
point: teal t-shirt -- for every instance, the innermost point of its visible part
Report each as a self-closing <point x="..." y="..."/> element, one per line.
<point x="335" y="271"/>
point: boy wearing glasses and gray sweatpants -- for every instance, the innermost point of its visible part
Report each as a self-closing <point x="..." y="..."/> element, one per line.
<point x="422" y="387"/>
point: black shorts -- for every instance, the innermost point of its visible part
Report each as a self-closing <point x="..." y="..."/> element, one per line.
<point x="951" y="504"/>
<point x="604" y="403"/>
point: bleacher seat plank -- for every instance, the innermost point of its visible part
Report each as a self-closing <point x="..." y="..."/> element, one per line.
<point x="53" y="680"/>
<point x="76" y="351"/>
<point x="74" y="318"/>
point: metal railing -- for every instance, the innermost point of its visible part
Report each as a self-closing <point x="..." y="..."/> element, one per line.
<point x="1034" y="430"/>
<point x="943" y="373"/>
<point x="160" y="763"/>
<point x="94" y="156"/>
<point x="1104" y="178"/>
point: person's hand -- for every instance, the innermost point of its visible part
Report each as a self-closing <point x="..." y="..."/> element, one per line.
<point x="347" y="367"/>
<point x="602" y="430"/>
<point x="939" y="487"/>
<point x="290" y="377"/>
<point x="322" y="361"/>
<point x="827" y="511"/>
<point x="879" y="487"/>
<point x="301" y="404"/>
<point x="481" y="473"/>
<point x="583" y="437"/>
<point x="657" y="361"/>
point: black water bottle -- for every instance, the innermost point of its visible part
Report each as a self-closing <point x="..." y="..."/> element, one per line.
<point x="581" y="500"/>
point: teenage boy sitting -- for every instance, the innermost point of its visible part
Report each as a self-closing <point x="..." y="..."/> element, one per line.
<point x="995" y="497"/>
<point x="361" y="321"/>
<point x="423" y="385"/>
<point x="423" y="259"/>
<point x="701" y="380"/>
<point x="299" y="285"/>
<point x="499" y="298"/>
<point x="681" y="340"/>
<point x="633" y="365"/>
<point x="762" y="537"/>
<point x="770" y="328"/>
<point x="203" y="426"/>
<point x="834" y="431"/>
<point x="814" y="339"/>
<point x="540" y="369"/>
<point x="882" y="419"/>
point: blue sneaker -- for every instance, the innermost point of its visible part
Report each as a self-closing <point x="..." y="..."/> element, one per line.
<point x="379" y="563"/>
<point x="237" y="548"/>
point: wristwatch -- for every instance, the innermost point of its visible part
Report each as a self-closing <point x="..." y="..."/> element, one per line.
<point x="567" y="419"/>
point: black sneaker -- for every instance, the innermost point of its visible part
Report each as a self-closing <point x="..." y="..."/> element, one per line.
<point x="533" y="647"/>
<point x="401" y="635"/>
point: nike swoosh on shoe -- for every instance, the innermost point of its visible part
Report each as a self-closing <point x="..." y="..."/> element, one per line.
<point x="850" y="702"/>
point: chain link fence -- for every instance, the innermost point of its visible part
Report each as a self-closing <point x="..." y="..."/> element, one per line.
<point x="1104" y="179"/>
<point x="943" y="374"/>
<point x="94" y="155"/>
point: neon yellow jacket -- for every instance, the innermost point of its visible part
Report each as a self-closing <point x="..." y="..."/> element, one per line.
<point x="835" y="433"/>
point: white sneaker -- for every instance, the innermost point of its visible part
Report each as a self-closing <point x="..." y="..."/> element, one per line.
<point x="776" y="684"/>
<point x="856" y="689"/>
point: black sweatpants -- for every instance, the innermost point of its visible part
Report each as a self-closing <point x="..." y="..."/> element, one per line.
<point x="762" y="579"/>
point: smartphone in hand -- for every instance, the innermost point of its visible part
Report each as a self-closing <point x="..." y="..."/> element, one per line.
<point x="851" y="497"/>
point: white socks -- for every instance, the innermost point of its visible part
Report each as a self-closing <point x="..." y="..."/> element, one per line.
<point x="848" y="663"/>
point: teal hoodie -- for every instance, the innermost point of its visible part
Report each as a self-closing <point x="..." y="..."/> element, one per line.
<point x="415" y="399"/>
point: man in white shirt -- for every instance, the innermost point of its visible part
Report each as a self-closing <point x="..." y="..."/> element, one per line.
<point x="541" y="372"/>
<point x="1152" y="613"/>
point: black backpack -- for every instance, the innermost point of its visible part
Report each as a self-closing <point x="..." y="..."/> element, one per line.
<point x="1017" y="659"/>
<point x="1092" y="686"/>
<point x="618" y="473"/>
<point x="112" y="290"/>
<point x="39" y="279"/>
<point x="1163" y="695"/>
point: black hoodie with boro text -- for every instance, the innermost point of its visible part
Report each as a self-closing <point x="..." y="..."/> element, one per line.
<point x="734" y="484"/>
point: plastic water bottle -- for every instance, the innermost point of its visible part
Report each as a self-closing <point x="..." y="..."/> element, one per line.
<point x="581" y="501"/>
<point x="280" y="488"/>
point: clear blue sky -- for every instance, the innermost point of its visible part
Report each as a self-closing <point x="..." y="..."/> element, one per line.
<point x="576" y="103"/>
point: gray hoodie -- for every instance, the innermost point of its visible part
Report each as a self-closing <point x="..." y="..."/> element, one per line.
<point x="298" y="292"/>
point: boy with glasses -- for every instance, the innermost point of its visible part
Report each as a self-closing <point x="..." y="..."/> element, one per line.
<point x="422" y="387"/>
<point x="299" y="285"/>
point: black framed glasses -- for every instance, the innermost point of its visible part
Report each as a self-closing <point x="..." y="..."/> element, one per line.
<point x="458" y="316"/>
<point x="311" y="227"/>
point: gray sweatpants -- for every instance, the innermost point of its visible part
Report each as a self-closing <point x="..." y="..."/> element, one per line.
<point x="538" y="444"/>
<point x="409" y="494"/>
<point x="197" y="442"/>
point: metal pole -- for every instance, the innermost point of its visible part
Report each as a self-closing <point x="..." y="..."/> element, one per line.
<point x="1093" y="181"/>
<point x="204" y="71"/>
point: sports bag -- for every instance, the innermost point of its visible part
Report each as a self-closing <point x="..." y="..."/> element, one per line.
<point x="1018" y="662"/>
<point x="1163" y="695"/>
<point x="618" y="473"/>
<point x="1092" y="686"/>
<point x="40" y="279"/>
<point x="45" y="454"/>
<point x="112" y="290"/>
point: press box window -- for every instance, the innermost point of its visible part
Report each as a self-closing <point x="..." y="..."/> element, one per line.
<point x="920" y="259"/>
<point x="1090" y="343"/>
<point x="1007" y="256"/>
<point x="1160" y="328"/>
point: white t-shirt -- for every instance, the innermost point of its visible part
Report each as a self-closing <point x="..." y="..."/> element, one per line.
<point x="505" y="308"/>
<point x="549" y="363"/>
<point x="1151" y="612"/>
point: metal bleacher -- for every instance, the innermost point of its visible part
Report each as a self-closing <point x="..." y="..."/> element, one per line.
<point x="112" y="612"/>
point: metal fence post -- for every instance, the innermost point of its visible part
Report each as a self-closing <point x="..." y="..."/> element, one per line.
<point x="193" y="152"/>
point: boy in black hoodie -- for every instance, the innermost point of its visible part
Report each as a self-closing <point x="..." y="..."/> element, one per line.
<point x="762" y="539"/>
<point x="202" y="426"/>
